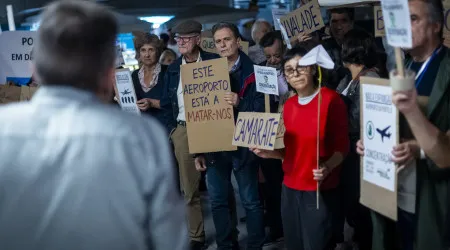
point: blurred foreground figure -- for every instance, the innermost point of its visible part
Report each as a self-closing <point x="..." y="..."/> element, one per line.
<point x="74" y="172"/>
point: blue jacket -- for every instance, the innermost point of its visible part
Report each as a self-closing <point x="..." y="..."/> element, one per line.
<point x="243" y="82"/>
<point x="169" y="99"/>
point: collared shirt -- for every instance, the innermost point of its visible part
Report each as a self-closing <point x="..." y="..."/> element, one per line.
<point x="154" y="80"/>
<point x="180" y="96"/>
<point x="236" y="65"/>
<point x="79" y="174"/>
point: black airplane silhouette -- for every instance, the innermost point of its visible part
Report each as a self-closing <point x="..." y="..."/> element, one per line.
<point x="126" y="92"/>
<point x="384" y="133"/>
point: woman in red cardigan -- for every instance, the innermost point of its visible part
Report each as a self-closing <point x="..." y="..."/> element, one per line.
<point x="305" y="226"/>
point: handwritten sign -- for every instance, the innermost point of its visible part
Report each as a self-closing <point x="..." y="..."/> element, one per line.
<point x="303" y="20"/>
<point x="207" y="44"/>
<point x="125" y="91"/>
<point x="378" y="21"/>
<point x="209" y="119"/>
<point x="15" y="56"/>
<point x="397" y="23"/>
<point x="266" y="80"/>
<point x="276" y="15"/>
<point x="446" y="29"/>
<point x="257" y="130"/>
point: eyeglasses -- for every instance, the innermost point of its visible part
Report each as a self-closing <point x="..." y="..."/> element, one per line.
<point x="289" y="72"/>
<point x="184" y="39"/>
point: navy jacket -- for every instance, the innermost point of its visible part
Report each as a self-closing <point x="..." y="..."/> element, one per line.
<point x="154" y="93"/>
<point x="169" y="100"/>
<point x="243" y="82"/>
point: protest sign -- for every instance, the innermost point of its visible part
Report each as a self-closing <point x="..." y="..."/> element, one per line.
<point x="11" y="93"/>
<point x="258" y="130"/>
<point x="266" y="80"/>
<point x="279" y="142"/>
<point x="378" y="21"/>
<point x="209" y="119"/>
<point x="380" y="133"/>
<point x="397" y="23"/>
<point x="303" y="20"/>
<point x="125" y="91"/>
<point x="446" y="29"/>
<point x="207" y="44"/>
<point x="276" y="15"/>
<point x="15" y="56"/>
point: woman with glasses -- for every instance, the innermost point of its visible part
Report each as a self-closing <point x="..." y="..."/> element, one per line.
<point x="306" y="226"/>
<point x="148" y="79"/>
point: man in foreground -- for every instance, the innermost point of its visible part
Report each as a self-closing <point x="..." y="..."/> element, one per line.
<point x="75" y="173"/>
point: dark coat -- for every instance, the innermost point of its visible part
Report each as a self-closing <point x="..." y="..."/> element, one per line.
<point x="243" y="82"/>
<point x="433" y="196"/>
<point x="154" y="93"/>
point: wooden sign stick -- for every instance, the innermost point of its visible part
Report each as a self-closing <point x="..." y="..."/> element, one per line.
<point x="267" y="103"/>
<point x="318" y="134"/>
<point x="399" y="62"/>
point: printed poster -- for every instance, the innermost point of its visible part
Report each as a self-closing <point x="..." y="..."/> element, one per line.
<point x="266" y="80"/>
<point x="125" y="91"/>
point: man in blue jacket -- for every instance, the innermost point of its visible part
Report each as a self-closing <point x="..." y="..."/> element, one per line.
<point x="187" y="35"/>
<point x="219" y="166"/>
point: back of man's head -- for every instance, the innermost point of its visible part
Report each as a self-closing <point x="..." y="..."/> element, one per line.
<point x="269" y="39"/>
<point x="259" y="29"/>
<point x="75" y="44"/>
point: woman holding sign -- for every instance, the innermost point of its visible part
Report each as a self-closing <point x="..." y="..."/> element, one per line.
<point x="148" y="79"/>
<point x="359" y="55"/>
<point x="305" y="226"/>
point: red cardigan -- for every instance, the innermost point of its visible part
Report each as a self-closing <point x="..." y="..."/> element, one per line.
<point x="301" y="135"/>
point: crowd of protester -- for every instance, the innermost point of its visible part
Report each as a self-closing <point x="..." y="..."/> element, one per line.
<point x="99" y="178"/>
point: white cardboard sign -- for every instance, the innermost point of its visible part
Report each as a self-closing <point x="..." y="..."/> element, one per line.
<point x="126" y="92"/>
<point x="380" y="133"/>
<point x="397" y="23"/>
<point x="15" y="56"/>
<point x="266" y="80"/>
<point x="276" y="15"/>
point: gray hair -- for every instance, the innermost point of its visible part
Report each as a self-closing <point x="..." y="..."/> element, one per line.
<point x="257" y="26"/>
<point x="75" y="44"/>
<point x="435" y="12"/>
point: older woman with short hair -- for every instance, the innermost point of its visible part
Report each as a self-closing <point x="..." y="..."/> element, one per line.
<point x="148" y="79"/>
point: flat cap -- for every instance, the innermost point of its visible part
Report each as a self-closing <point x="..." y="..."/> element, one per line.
<point x="187" y="27"/>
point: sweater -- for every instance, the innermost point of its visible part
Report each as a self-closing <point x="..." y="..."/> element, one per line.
<point x="300" y="139"/>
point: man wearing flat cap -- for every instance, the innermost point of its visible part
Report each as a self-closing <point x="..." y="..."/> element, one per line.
<point x="187" y="36"/>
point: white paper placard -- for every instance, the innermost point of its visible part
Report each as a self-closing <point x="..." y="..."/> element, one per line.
<point x="126" y="92"/>
<point x="397" y="23"/>
<point x="380" y="133"/>
<point x="276" y="15"/>
<point x="15" y="56"/>
<point x="266" y="80"/>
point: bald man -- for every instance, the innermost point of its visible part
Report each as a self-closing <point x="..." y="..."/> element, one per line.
<point x="259" y="29"/>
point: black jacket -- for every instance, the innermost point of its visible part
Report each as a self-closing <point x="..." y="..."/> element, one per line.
<point x="242" y="82"/>
<point x="155" y="93"/>
<point x="353" y="104"/>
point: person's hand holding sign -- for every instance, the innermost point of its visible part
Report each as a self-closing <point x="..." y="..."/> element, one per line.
<point x="146" y="103"/>
<point x="406" y="101"/>
<point x="406" y="152"/>
<point x="200" y="163"/>
<point x="232" y="99"/>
